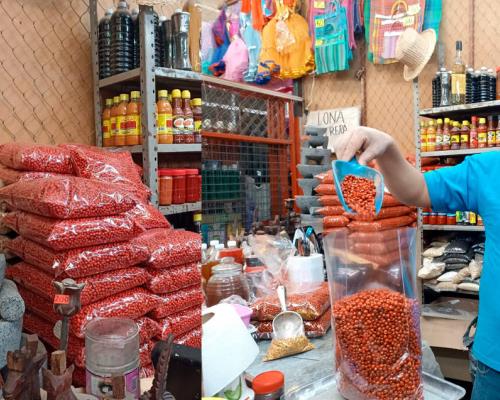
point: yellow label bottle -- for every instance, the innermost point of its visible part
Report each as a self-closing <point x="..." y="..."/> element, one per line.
<point x="121" y="120"/>
<point x="106" y="124"/>
<point x="164" y="121"/>
<point x="112" y="119"/>
<point x="133" y="119"/>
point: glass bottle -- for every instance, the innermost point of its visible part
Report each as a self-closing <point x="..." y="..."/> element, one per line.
<point x="188" y="117"/>
<point x="423" y="137"/>
<point x="473" y="133"/>
<point x="439" y="135"/>
<point x="491" y="132"/>
<point x="464" y="135"/>
<point x="178" y="117"/>
<point x="431" y="136"/>
<point x="497" y="141"/>
<point x="227" y="280"/>
<point x="446" y="134"/>
<point x="445" y="88"/>
<point x="482" y="133"/>
<point x="458" y="77"/>
<point x="455" y="136"/>
<point x="106" y="124"/>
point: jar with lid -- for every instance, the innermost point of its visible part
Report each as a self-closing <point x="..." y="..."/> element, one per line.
<point x="192" y="186"/>
<point x="233" y="251"/>
<point x="178" y="185"/>
<point x="451" y="219"/>
<point x="165" y="183"/>
<point x="269" y="385"/>
<point x="227" y="279"/>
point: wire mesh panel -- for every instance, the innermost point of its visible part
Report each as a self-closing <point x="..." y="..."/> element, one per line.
<point x="246" y="158"/>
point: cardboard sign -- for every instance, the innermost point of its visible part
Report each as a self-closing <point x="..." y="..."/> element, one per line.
<point x="338" y="121"/>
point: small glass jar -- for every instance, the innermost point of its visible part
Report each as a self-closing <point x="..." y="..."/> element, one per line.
<point x="178" y="185"/>
<point x="425" y="217"/>
<point x="451" y="219"/>
<point x="227" y="279"/>
<point x="269" y="385"/>
<point x="441" y="219"/>
<point x="433" y="218"/>
<point x="192" y="186"/>
<point x="165" y="183"/>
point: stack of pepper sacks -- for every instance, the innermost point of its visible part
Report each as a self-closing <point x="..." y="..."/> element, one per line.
<point x="376" y="235"/>
<point x="83" y="213"/>
<point x="315" y="159"/>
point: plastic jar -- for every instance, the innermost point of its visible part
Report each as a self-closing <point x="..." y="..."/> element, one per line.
<point x="193" y="193"/>
<point x="433" y="218"/>
<point x="233" y="251"/>
<point x="441" y="219"/>
<point x="227" y="279"/>
<point x="178" y="185"/>
<point x="165" y="187"/>
<point x="425" y="217"/>
<point x="112" y="349"/>
<point x="269" y="385"/>
<point x="451" y="219"/>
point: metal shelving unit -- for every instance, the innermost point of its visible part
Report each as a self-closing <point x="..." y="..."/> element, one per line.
<point x="462" y="110"/>
<point x="146" y="78"/>
<point x="454" y="228"/>
<point x="457" y="153"/>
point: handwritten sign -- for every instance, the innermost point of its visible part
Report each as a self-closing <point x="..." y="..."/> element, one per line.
<point x="338" y="121"/>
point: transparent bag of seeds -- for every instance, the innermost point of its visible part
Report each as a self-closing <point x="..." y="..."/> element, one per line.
<point x="375" y="317"/>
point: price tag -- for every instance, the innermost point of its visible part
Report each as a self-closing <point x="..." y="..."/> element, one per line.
<point x="320" y="23"/>
<point x="62" y="299"/>
<point x="319" y="4"/>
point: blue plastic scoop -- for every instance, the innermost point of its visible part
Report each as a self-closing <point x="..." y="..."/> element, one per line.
<point x="341" y="169"/>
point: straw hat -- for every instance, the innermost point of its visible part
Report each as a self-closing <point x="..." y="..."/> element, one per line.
<point x="414" y="50"/>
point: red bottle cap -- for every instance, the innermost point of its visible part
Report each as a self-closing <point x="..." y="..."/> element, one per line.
<point x="191" y="171"/>
<point x="268" y="382"/>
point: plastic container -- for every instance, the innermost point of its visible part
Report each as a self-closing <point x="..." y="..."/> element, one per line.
<point x="498" y="83"/>
<point x="133" y="123"/>
<point x="106" y="124"/>
<point x="193" y="185"/>
<point x="121" y="121"/>
<point x="433" y="220"/>
<point x="198" y="119"/>
<point x="165" y="184"/>
<point x="122" y="40"/>
<point x="269" y="385"/>
<point x="451" y="219"/>
<point x="104" y="45"/>
<point x="178" y="185"/>
<point x="112" y="349"/>
<point x="165" y="122"/>
<point x="227" y="279"/>
<point x="441" y="219"/>
<point x="188" y="117"/>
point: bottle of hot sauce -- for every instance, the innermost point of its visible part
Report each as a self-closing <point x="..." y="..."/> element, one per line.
<point x="482" y="134"/>
<point x="198" y="119"/>
<point x="121" y="121"/>
<point x="473" y="133"/>
<point x="164" y="123"/>
<point x="465" y="135"/>
<point x="439" y="135"/>
<point x="188" y="117"/>
<point x="446" y="135"/>
<point x="106" y="124"/>
<point x="133" y="119"/>
<point x="178" y="117"/>
<point x="112" y="120"/>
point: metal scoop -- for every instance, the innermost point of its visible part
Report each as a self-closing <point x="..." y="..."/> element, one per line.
<point x="287" y="324"/>
<point x="343" y="168"/>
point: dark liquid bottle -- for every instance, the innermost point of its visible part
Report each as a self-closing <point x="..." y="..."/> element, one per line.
<point x="167" y="43"/>
<point x="484" y="85"/>
<point x="104" y="45"/>
<point x="475" y="87"/>
<point x="469" y="91"/>
<point x="137" y="38"/>
<point x="122" y="40"/>
<point x="436" y="90"/>
<point x="493" y="85"/>
<point x="156" y="22"/>
<point x="162" y="36"/>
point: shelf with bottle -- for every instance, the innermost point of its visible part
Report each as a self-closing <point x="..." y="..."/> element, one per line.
<point x="180" y="208"/>
<point x="453" y="138"/>
<point x="454" y="228"/>
<point x="178" y="121"/>
<point x="459" y="220"/>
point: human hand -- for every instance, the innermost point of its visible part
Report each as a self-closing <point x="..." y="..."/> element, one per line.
<point x="369" y="143"/>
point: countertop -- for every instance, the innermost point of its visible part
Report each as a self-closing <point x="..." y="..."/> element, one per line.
<point x="301" y="369"/>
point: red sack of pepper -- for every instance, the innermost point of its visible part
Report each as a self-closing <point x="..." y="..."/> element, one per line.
<point x="66" y="197"/>
<point x="385" y="212"/>
<point x="178" y="301"/>
<point x="329" y="200"/>
<point x="97" y="287"/>
<point x="68" y="234"/>
<point x="325" y="189"/>
<point x="32" y="157"/>
<point x="173" y="279"/>
<point x="81" y="262"/>
<point x="115" y="168"/>
<point x="180" y="323"/>
<point x="335" y="221"/>
<point x="331" y="210"/>
<point x="310" y="305"/>
<point x="170" y="247"/>
<point x="380" y="225"/>
<point x="374" y="311"/>
<point x="148" y="329"/>
<point x="191" y="338"/>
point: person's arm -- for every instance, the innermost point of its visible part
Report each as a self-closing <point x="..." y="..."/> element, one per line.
<point x="402" y="179"/>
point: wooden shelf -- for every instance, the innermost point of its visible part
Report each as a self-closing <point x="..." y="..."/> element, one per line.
<point x="244" y="138"/>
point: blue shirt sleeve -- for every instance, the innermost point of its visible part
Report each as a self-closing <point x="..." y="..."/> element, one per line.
<point x="449" y="188"/>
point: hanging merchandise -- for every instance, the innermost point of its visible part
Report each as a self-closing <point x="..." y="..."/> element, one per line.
<point x="414" y="50"/>
<point x="236" y="57"/>
<point x="433" y="15"/>
<point x="253" y="42"/>
<point x="221" y="36"/>
<point x="332" y="52"/>
<point x="207" y="46"/>
<point x="286" y="45"/>
<point x="388" y="21"/>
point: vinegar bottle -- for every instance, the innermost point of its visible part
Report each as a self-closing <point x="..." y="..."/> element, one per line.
<point x="106" y="124"/>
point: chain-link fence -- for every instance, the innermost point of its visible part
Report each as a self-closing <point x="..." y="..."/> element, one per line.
<point x="46" y="82"/>
<point x="386" y="97"/>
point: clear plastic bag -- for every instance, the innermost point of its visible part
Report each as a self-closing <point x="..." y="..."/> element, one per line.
<point x="68" y="234"/>
<point x="133" y="304"/>
<point x="331" y="210"/>
<point x="180" y="323"/>
<point x="335" y="221"/>
<point x="148" y="329"/>
<point x="385" y="212"/>
<point x="329" y="200"/>
<point x="173" y="279"/>
<point x="325" y="189"/>
<point x="376" y="323"/>
<point x="191" y="339"/>
<point x="146" y="217"/>
<point x="97" y="287"/>
<point x="381" y="225"/>
<point x="81" y="262"/>
<point x="32" y="157"/>
<point x="8" y="175"/>
<point x="116" y="168"/>
<point x="178" y="301"/>
<point x="67" y="197"/>
<point x="170" y="248"/>
<point x="310" y="305"/>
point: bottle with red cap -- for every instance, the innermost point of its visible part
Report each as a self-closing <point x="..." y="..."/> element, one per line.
<point x="269" y="385"/>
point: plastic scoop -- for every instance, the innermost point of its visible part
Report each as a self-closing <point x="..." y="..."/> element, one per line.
<point x="341" y="169"/>
<point x="287" y="324"/>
